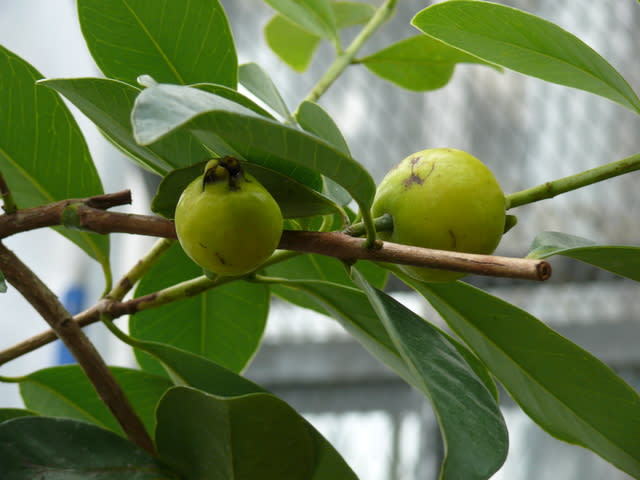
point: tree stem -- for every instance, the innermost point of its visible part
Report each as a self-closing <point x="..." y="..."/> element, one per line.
<point x="9" y="205"/>
<point x="573" y="182"/>
<point x="62" y="323"/>
<point x="343" y="60"/>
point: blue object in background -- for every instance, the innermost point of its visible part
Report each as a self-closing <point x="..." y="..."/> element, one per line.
<point x="74" y="301"/>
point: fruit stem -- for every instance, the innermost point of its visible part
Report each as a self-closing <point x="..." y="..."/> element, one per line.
<point x="343" y="60"/>
<point x="573" y="182"/>
<point x="383" y="223"/>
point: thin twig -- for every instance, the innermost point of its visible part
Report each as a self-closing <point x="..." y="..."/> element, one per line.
<point x="69" y="331"/>
<point x="51" y="214"/>
<point x="573" y="182"/>
<point x="349" y="248"/>
<point x="9" y="205"/>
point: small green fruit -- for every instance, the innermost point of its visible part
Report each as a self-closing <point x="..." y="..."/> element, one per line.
<point x="226" y="221"/>
<point x="443" y="199"/>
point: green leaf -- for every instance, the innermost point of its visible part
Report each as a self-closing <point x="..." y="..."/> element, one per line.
<point x="351" y="307"/>
<point x="418" y="63"/>
<point x="9" y="413"/>
<point x="43" y="155"/>
<point x="525" y="43"/>
<point x="234" y="96"/>
<point x="3" y="284"/>
<point x="314" y="16"/>
<point x="618" y="259"/>
<point x="108" y="104"/>
<point x="473" y="430"/>
<point x="161" y="109"/>
<point x="257" y="81"/>
<point x="566" y="390"/>
<point x="175" y="42"/>
<point x="252" y="436"/>
<point x="294" y="45"/>
<point x="198" y="372"/>
<point x="295" y="200"/>
<point x="63" y="449"/>
<point x="224" y="324"/>
<point x="351" y="14"/>
<point x="65" y="391"/>
<point x="314" y="119"/>
<point x="319" y="267"/>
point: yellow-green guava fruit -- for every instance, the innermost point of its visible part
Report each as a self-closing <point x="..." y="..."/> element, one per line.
<point x="226" y="221"/>
<point x="444" y="199"/>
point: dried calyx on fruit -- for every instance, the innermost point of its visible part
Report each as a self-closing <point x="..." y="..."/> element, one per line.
<point x="226" y="221"/>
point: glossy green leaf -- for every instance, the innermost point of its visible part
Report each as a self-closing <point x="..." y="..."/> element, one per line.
<point x="418" y="63"/>
<point x="473" y="430"/>
<point x="566" y="390"/>
<point x="176" y="42"/>
<point x="161" y="109"/>
<point x="319" y="267"/>
<point x="619" y="259"/>
<point x="198" y="372"/>
<point x="294" y="45"/>
<point x="314" y="16"/>
<point x="9" y="413"/>
<point x="224" y="324"/>
<point x="525" y="43"/>
<point x="43" y="155"/>
<point x="295" y="200"/>
<point x="251" y="436"/>
<point x="314" y="119"/>
<point x="351" y="307"/>
<point x="255" y="79"/>
<point x="108" y="104"/>
<point x="63" y="449"/>
<point x="65" y="391"/>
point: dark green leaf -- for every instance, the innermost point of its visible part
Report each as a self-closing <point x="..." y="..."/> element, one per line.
<point x="162" y="109"/>
<point x="294" y="45"/>
<point x="62" y="449"/>
<point x="418" y="63"/>
<point x="473" y="430"/>
<point x="314" y="16"/>
<point x="315" y="120"/>
<point x="176" y="42"/>
<point x="295" y="200"/>
<point x="525" y="43"/>
<point x="108" y="104"/>
<point x="224" y="324"/>
<point x="251" y="436"/>
<point x="566" y="390"/>
<point x="3" y="284"/>
<point x="9" y="413"/>
<point x="257" y="81"/>
<point x="198" y="372"/>
<point x="43" y="155"/>
<point x="65" y="391"/>
<point x="619" y="259"/>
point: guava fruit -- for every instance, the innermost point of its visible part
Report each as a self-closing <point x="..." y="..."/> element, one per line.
<point x="444" y="199"/>
<point x="226" y="221"/>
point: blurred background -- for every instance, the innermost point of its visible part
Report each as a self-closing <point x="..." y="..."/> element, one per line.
<point x="526" y="130"/>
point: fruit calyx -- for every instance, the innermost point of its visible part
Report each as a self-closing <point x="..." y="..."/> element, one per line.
<point x="221" y="169"/>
